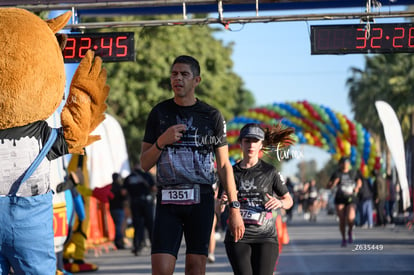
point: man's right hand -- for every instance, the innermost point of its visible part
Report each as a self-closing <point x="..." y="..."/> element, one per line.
<point x="172" y="134"/>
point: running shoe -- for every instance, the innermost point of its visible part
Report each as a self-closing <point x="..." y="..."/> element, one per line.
<point x="343" y="244"/>
<point x="211" y="258"/>
<point x="350" y="237"/>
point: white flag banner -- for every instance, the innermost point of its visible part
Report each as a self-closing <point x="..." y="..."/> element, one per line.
<point x="395" y="142"/>
<point x="108" y="155"/>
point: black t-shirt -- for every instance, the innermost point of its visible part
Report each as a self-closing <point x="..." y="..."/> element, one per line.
<point x="139" y="184"/>
<point x="366" y="192"/>
<point x="346" y="184"/>
<point x="252" y="185"/>
<point x="118" y="201"/>
<point x="19" y="147"/>
<point x="191" y="159"/>
<point x="313" y="192"/>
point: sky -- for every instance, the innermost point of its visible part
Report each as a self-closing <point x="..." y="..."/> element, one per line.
<point x="275" y="62"/>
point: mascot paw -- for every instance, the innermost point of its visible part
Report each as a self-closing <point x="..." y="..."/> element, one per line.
<point x="85" y="107"/>
<point x="103" y="194"/>
<point x="80" y="266"/>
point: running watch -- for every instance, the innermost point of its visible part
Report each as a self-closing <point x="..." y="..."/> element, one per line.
<point x="234" y="204"/>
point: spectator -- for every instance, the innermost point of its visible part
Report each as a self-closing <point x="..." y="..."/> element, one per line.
<point x="391" y="198"/>
<point x="117" y="209"/>
<point x="141" y="187"/>
<point x="380" y="197"/>
<point x="365" y="203"/>
<point x="313" y="201"/>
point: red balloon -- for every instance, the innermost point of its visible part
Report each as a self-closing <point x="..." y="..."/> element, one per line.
<point x="340" y="145"/>
<point x="317" y="141"/>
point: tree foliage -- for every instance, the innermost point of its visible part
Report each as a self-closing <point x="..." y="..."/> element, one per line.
<point x="386" y="77"/>
<point x="389" y="78"/>
<point x="138" y="86"/>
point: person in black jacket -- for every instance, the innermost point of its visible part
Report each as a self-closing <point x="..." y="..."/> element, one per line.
<point x="141" y="188"/>
<point x="117" y="209"/>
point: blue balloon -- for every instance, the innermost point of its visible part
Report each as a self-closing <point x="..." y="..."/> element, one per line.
<point x="331" y="130"/>
<point x="353" y="155"/>
<point x="290" y="109"/>
<point x="333" y="118"/>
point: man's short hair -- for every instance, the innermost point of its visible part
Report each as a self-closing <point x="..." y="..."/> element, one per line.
<point x="189" y="60"/>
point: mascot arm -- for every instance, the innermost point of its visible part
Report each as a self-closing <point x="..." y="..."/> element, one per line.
<point x="85" y="107"/>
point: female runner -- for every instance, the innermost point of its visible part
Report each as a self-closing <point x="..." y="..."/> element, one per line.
<point x="261" y="189"/>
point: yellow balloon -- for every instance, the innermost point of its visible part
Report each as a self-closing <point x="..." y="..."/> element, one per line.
<point x="232" y="139"/>
<point x="347" y="147"/>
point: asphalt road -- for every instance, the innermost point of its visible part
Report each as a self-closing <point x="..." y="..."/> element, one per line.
<point x="314" y="248"/>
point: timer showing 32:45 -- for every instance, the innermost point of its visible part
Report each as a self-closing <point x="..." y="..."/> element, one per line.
<point x="111" y="46"/>
<point x="373" y="38"/>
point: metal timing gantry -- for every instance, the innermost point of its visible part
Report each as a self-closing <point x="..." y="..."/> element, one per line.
<point x="370" y="9"/>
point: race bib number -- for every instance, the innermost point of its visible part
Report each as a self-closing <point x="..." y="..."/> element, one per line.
<point x="180" y="194"/>
<point x="313" y="194"/>
<point x="251" y="216"/>
<point x="347" y="189"/>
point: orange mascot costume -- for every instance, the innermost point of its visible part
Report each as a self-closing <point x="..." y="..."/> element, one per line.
<point x="32" y="82"/>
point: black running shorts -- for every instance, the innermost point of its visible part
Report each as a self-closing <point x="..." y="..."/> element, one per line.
<point x="195" y="221"/>
<point x="341" y="199"/>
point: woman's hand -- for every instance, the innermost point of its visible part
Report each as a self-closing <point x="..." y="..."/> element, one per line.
<point x="273" y="203"/>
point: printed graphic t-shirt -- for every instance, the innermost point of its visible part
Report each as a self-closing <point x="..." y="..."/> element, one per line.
<point x="347" y="183"/>
<point x="191" y="159"/>
<point x="252" y="185"/>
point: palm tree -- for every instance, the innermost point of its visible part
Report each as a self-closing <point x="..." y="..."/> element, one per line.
<point x="387" y="77"/>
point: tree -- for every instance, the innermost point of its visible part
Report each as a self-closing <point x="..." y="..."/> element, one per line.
<point x="389" y="78"/>
<point x="138" y="86"/>
<point x="386" y="77"/>
<point x="307" y="170"/>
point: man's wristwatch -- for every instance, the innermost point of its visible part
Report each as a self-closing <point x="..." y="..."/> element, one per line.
<point x="234" y="204"/>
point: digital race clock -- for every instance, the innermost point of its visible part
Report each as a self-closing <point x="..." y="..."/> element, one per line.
<point x="114" y="46"/>
<point x="343" y="39"/>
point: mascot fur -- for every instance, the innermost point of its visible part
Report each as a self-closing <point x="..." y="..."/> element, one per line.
<point x="32" y="82"/>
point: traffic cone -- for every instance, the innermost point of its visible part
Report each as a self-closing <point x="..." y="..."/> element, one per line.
<point x="285" y="235"/>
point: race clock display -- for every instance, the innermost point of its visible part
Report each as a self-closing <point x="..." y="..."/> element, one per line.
<point x="111" y="47"/>
<point x="378" y="38"/>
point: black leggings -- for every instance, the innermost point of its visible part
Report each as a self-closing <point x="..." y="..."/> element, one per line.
<point x="252" y="258"/>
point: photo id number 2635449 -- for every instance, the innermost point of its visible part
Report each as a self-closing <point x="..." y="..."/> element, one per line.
<point x="368" y="247"/>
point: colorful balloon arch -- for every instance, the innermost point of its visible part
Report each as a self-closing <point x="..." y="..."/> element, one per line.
<point x="314" y="125"/>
